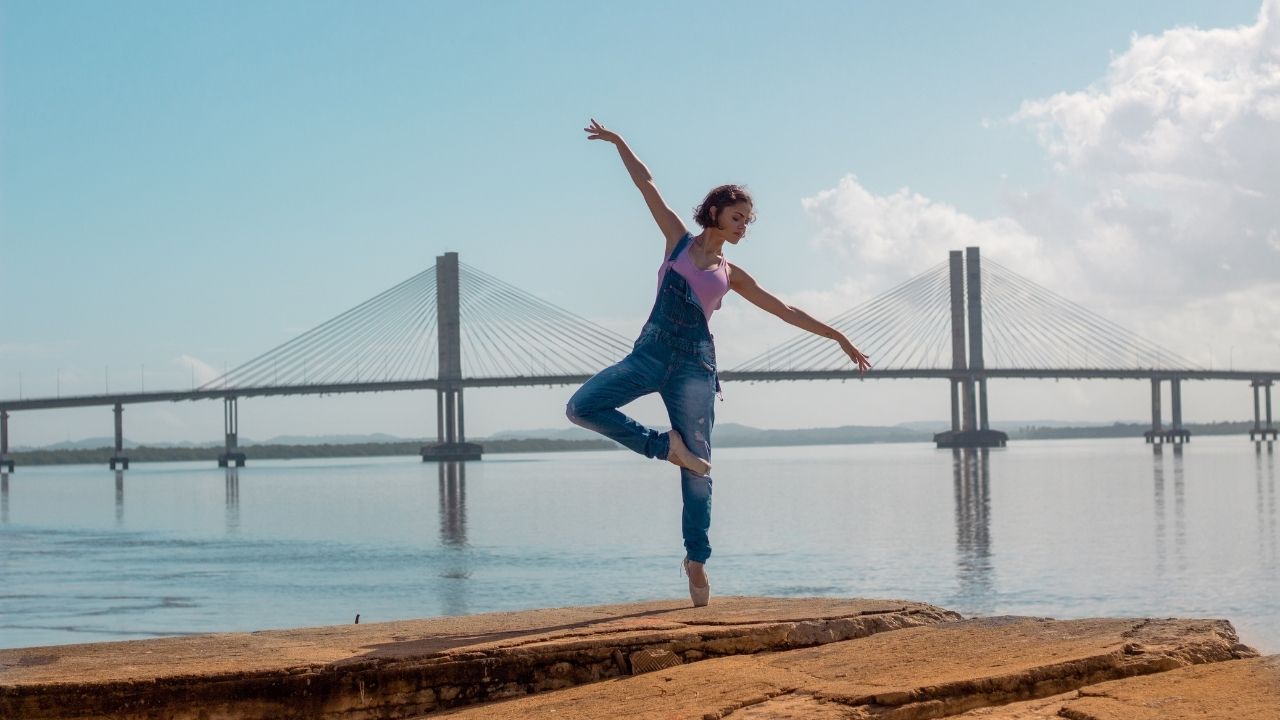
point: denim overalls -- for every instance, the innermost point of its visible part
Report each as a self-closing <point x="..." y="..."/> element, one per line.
<point x="676" y="357"/>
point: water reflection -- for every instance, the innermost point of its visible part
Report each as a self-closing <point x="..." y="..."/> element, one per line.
<point x="1179" y="507"/>
<point x="4" y="498"/>
<point x="455" y="571"/>
<point x="1157" y="472"/>
<point x="453" y="503"/>
<point x="972" y="481"/>
<point x="119" y="498"/>
<point x="233" y="500"/>
<point x="1266" y="488"/>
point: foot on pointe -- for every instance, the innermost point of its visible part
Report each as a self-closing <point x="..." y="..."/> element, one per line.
<point x="680" y="454"/>
<point x="699" y="583"/>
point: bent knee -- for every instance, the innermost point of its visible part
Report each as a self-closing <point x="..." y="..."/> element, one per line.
<point x="572" y="412"/>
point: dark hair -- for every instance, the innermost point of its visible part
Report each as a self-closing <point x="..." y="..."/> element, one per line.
<point x="721" y="198"/>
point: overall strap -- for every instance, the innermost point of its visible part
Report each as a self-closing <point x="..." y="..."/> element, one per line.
<point x="684" y="240"/>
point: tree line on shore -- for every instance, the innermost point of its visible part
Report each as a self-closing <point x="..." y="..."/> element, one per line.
<point x="287" y="452"/>
<point x="759" y="438"/>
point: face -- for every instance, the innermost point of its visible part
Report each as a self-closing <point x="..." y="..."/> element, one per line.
<point x="733" y="220"/>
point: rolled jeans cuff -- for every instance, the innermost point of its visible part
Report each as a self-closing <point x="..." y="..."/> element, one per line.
<point x="659" y="445"/>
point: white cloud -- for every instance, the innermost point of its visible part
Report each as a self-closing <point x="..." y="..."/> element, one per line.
<point x="1165" y="210"/>
<point x="1182" y="130"/>
<point x="203" y="371"/>
<point x="906" y="232"/>
<point x="1238" y="329"/>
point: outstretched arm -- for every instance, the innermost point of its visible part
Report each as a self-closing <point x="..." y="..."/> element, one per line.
<point x="747" y="287"/>
<point x="672" y="227"/>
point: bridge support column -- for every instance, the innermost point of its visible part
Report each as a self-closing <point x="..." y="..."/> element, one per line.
<point x="1156" y="433"/>
<point x="118" y="457"/>
<point x="1270" y="427"/>
<point x="440" y="416"/>
<point x="5" y="460"/>
<point x="231" y="455"/>
<point x="982" y="405"/>
<point x="966" y="280"/>
<point x="1176" y="433"/>
<point x="961" y="397"/>
<point x="955" y="405"/>
<point x="1259" y="432"/>
<point x="451" y="438"/>
<point x="969" y="403"/>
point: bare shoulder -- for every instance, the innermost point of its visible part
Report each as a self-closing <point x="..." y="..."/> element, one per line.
<point x="739" y="278"/>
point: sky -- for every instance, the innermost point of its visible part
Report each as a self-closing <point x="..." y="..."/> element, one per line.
<point x="186" y="185"/>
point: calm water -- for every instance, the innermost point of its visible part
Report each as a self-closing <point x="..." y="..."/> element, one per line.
<point x="1054" y="528"/>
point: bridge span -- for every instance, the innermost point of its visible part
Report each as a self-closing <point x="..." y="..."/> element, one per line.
<point x="413" y="337"/>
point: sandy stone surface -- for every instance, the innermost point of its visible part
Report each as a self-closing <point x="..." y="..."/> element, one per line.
<point x="400" y="669"/>
<point x="933" y="671"/>
<point x="1239" y="690"/>
<point x="1247" y="689"/>
<point x="273" y="650"/>
<point x="745" y="658"/>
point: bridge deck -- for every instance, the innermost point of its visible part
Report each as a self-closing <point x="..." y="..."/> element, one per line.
<point x="535" y="380"/>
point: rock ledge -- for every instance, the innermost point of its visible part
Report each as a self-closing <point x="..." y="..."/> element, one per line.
<point x="404" y="669"/>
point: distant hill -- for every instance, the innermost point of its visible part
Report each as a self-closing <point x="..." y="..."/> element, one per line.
<point x="737" y="435"/>
<point x="330" y="440"/>
<point x="726" y="435"/>
<point x="95" y="443"/>
<point x="569" y="433"/>
<point x="1130" y="430"/>
<point x="937" y="426"/>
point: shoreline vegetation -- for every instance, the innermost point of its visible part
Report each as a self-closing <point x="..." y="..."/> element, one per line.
<point x="740" y="437"/>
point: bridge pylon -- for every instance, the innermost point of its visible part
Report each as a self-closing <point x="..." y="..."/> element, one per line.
<point x="1175" y="433"/>
<point x="231" y="455"/>
<point x="118" y="457"/>
<point x="1258" y="432"/>
<point x="7" y="462"/>
<point x="969" y="419"/>
<point x="451" y="439"/>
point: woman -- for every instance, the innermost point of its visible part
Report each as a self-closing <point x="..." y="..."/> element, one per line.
<point x="675" y="355"/>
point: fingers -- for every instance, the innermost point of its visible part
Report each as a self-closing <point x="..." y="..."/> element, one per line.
<point x="862" y="360"/>
<point x="596" y="131"/>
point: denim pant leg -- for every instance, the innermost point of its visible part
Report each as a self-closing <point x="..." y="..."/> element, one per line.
<point x="690" y="399"/>
<point x="595" y="405"/>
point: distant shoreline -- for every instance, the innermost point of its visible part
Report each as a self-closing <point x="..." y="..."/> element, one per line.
<point x="287" y="452"/>
<point x="755" y="438"/>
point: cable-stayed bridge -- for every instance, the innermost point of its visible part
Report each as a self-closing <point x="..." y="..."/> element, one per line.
<point x="453" y="326"/>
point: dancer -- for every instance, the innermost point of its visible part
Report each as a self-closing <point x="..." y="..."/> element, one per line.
<point x="675" y="354"/>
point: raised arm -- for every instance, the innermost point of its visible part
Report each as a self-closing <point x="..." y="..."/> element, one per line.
<point x="746" y="286"/>
<point x="671" y="225"/>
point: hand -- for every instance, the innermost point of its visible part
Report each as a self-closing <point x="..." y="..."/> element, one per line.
<point x="599" y="132"/>
<point x="856" y="355"/>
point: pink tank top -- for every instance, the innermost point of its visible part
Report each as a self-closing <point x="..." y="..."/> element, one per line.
<point x="709" y="286"/>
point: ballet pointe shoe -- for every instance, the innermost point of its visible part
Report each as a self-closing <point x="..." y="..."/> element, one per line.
<point x="681" y="455"/>
<point x="699" y="594"/>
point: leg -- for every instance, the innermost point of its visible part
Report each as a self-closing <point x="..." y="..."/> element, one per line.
<point x="680" y="454"/>
<point x="595" y="405"/>
<point x="690" y="400"/>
